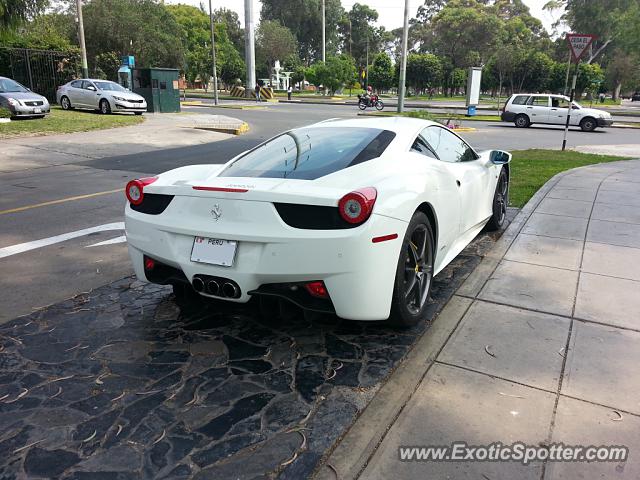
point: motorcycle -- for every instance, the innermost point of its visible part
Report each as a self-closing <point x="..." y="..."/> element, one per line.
<point x="365" y="101"/>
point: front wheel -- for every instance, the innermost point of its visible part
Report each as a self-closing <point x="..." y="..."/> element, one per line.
<point x="414" y="273"/>
<point x="500" y="202"/>
<point x="379" y="105"/>
<point x="105" y="108"/>
<point x="588" y="124"/>
<point x="362" y="105"/>
<point x="138" y="113"/>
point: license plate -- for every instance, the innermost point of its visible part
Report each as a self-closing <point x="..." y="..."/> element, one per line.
<point x="37" y="110"/>
<point x="214" y="251"/>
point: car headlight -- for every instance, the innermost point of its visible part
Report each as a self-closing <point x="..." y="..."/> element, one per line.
<point x="13" y="102"/>
<point x="119" y="98"/>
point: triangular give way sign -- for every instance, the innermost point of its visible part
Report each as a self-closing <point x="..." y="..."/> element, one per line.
<point x="578" y="43"/>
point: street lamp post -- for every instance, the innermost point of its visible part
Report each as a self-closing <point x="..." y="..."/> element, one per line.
<point x="213" y="54"/>
<point x="323" y="33"/>
<point x="403" y="62"/>
<point x="83" y="47"/>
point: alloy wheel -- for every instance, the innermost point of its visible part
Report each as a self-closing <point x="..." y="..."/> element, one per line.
<point x="418" y="269"/>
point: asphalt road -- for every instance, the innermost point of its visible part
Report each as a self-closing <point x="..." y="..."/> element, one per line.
<point x="87" y="194"/>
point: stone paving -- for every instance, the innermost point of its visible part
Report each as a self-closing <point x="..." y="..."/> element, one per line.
<point x="124" y="383"/>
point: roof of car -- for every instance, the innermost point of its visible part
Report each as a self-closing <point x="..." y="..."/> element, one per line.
<point x="395" y="124"/>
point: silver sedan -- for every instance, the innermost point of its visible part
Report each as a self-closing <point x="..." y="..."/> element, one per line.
<point x="100" y="95"/>
<point x="21" y="101"/>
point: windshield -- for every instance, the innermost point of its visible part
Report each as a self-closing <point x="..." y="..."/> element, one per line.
<point x="310" y="153"/>
<point x="7" y="86"/>
<point x="110" y="86"/>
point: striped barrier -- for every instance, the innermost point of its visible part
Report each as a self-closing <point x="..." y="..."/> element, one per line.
<point x="237" y="91"/>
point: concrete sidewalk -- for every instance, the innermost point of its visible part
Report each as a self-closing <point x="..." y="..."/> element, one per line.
<point x="540" y="345"/>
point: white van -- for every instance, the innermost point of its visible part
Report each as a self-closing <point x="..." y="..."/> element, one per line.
<point x="524" y="109"/>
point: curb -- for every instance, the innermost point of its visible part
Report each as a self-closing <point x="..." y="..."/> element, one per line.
<point x="352" y="452"/>
<point x="244" y="128"/>
<point x="234" y="107"/>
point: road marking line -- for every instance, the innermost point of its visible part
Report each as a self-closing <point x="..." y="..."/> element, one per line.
<point x="61" y="200"/>
<point x="113" y="241"/>
<point x="45" y="242"/>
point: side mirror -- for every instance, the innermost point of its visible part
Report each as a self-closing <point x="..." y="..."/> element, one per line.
<point x="499" y="157"/>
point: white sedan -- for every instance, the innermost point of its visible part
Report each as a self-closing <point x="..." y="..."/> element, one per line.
<point x="100" y="95"/>
<point x="352" y="217"/>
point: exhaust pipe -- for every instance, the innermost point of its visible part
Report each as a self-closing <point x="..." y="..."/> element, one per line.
<point x="198" y="284"/>
<point x="213" y="287"/>
<point x="230" y="290"/>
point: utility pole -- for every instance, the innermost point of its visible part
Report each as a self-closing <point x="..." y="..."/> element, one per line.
<point x="213" y="54"/>
<point x="249" y="47"/>
<point x="403" y="62"/>
<point x="83" y="46"/>
<point x="324" y="26"/>
<point x="566" y="78"/>
<point x="570" y="107"/>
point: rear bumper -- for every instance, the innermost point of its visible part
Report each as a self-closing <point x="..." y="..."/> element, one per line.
<point x="605" y="122"/>
<point x="508" y="116"/>
<point x="359" y="274"/>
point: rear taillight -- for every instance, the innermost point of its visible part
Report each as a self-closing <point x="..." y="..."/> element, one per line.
<point x="135" y="189"/>
<point x="317" y="289"/>
<point x="356" y="206"/>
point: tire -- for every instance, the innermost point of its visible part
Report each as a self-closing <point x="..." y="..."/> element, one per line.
<point x="65" y="103"/>
<point x="105" y="108"/>
<point x="588" y="124"/>
<point x="362" y="105"/>
<point x="138" y="113"/>
<point x="522" y="121"/>
<point x="500" y="202"/>
<point x="379" y="105"/>
<point x="414" y="273"/>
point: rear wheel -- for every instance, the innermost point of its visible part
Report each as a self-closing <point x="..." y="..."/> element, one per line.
<point x="138" y="113"/>
<point x="65" y="103"/>
<point x="522" y="121"/>
<point x="105" y="108"/>
<point x="379" y="105"/>
<point x="500" y="202"/>
<point x="414" y="273"/>
<point x="588" y="124"/>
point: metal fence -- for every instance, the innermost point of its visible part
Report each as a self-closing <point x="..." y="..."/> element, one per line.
<point x="40" y="70"/>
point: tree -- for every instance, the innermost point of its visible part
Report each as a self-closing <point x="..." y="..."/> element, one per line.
<point x="232" y="23"/>
<point x="107" y="65"/>
<point x="333" y="74"/>
<point x="360" y="35"/>
<point x="304" y="19"/>
<point x="195" y="32"/>
<point x="381" y="73"/>
<point x="424" y="70"/>
<point x="14" y="12"/>
<point x="273" y="42"/>
<point x="142" y="28"/>
<point x="51" y="31"/>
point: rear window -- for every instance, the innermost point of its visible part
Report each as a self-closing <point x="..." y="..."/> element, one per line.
<point x="520" y="99"/>
<point x="310" y="153"/>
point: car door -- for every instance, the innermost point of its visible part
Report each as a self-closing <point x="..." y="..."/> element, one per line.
<point x="447" y="201"/>
<point x="558" y="111"/>
<point x="471" y="173"/>
<point x="74" y="92"/>
<point x="538" y="108"/>
<point x="91" y="94"/>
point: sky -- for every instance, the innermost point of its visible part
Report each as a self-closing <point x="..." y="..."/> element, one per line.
<point x="391" y="12"/>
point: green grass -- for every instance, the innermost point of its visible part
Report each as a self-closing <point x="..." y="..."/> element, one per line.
<point x="530" y="169"/>
<point x="59" y="121"/>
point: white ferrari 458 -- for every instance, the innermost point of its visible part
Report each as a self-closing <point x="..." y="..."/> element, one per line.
<point x="352" y="217"/>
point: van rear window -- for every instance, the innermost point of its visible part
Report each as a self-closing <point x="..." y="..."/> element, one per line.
<point x="520" y="100"/>
<point x="310" y="153"/>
